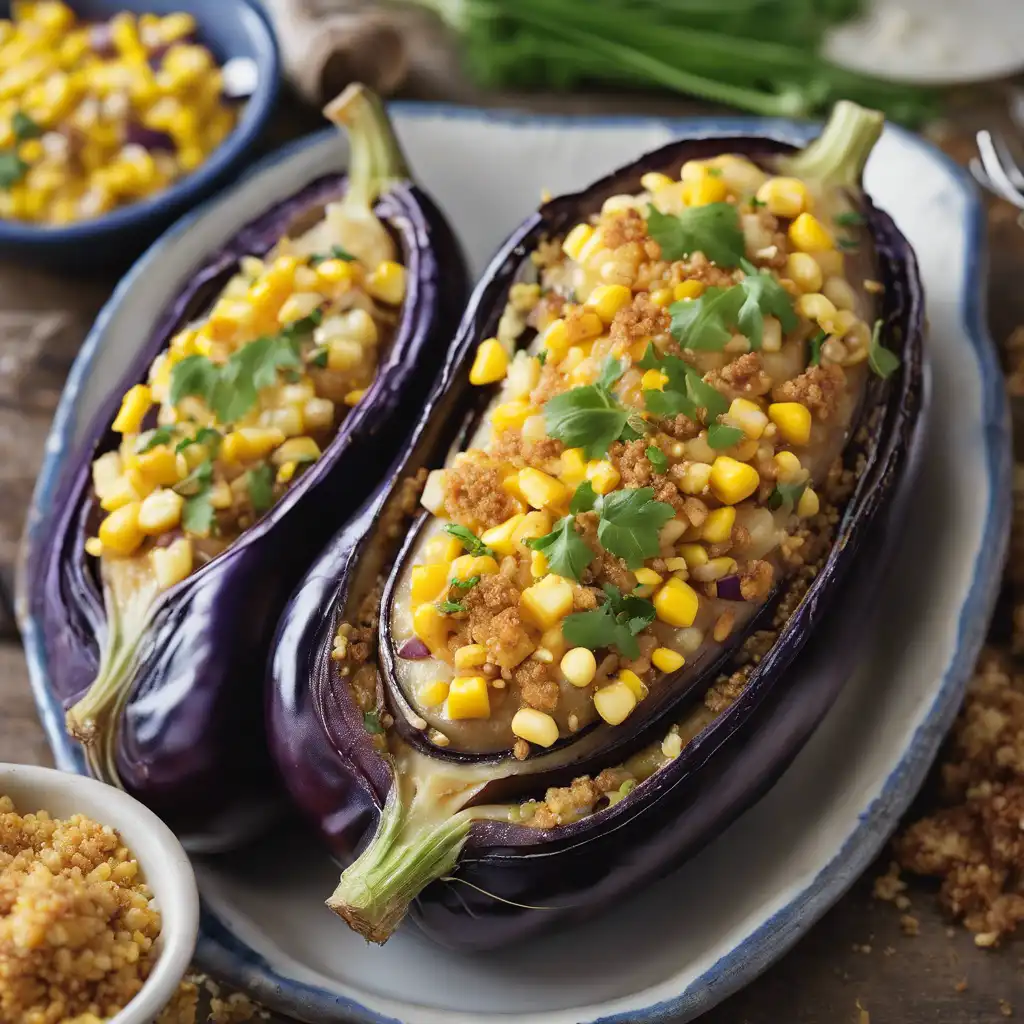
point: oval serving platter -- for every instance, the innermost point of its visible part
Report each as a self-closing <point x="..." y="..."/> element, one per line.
<point x="719" y="921"/>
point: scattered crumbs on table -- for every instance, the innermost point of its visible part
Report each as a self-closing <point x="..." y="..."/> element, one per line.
<point x="950" y="933"/>
<point x="910" y="924"/>
<point x="236" y="1009"/>
<point x="183" y="1006"/>
<point x="1005" y="1008"/>
<point x="863" y="1017"/>
<point x="961" y="985"/>
<point x="889" y="951"/>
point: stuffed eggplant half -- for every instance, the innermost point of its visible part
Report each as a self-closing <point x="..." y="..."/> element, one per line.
<point x="676" y="405"/>
<point x="254" y="421"/>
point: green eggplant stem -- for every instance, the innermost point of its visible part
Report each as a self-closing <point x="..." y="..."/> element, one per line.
<point x="839" y="154"/>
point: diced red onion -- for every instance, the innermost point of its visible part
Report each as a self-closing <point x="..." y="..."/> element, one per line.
<point x="414" y="650"/>
<point x="149" y="138"/>
<point x="728" y="588"/>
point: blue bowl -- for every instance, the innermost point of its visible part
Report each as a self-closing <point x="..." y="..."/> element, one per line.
<point x="230" y="28"/>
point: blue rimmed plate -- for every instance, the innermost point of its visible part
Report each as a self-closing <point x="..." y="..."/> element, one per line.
<point x="689" y="941"/>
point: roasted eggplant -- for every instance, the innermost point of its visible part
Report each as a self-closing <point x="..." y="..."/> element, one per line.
<point x="256" y="418"/>
<point x="528" y="686"/>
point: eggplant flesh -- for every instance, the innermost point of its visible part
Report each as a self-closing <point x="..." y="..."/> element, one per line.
<point x="163" y="686"/>
<point x="360" y="757"/>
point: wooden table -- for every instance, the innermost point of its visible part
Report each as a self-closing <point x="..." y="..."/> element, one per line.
<point x="856" y="965"/>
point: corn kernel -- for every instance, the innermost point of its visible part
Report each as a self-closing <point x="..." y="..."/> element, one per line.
<point x="803" y="270"/>
<point x="793" y="421"/>
<point x="427" y="583"/>
<point x="512" y="415"/>
<point x="676" y="603"/>
<point x="548" y="601"/>
<point x="119" y="492"/>
<point x="807" y="234"/>
<point x="466" y="566"/>
<point x="661" y="297"/>
<point x="840" y="293"/>
<point x="574" y="242"/>
<point x="431" y="626"/>
<point x="432" y="498"/>
<point x="318" y="414"/>
<point x="499" y="538"/>
<point x="583" y="328"/>
<point x="634" y="682"/>
<point x="387" y="283"/>
<point x="120" y="531"/>
<point x="653" y="380"/>
<point x="470" y="656"/>
<point x="540" y="490"/>
<point x="607" y="299"/>
<point x="250" y="443"/>
<point x="158" y="467"/>
<point x="814" y="306"/>
<point x="134" y="406"/>
<point x="647" y="577"/>
<point x="666" y="660"/>
<point x="808" y="505"/>
<point x="296" y="449"/>
<point x="573" y="469"/>
<point x="579" y="666"/>
<point x="538" y="564"/>
<point x="490" y="364"/>
<point x="285" y="472"/>
<point x="441" y="548"/>
<point x="531" y="526"/>
<point x="615" y="702"/>
<point x="695" y="478"/>
<point x="694" y="555"/>
<point x="718" y="526"/>
<point x="94" y="547"/>
<point x="603" y="476"/>
<point x="434" y="694"/>
<point x="731" y="481"/>
<point x="748" y="416"/>
<point x="653" y="180"/>
<point x="784" y="197"/>
<point x="173" y="563"/>
<point x="354" y="397"/>
<point x="688" y="290"/>
<point x="298" y="306"/>
<point x="715" y="569"/>
<point x="334" y="272"/>
<point x="708" y="188"/>
<point x="468" y="698"/>
<point x="535" y="727"/>
<point x="787" y="467"/>
<point x="160" y="512"/>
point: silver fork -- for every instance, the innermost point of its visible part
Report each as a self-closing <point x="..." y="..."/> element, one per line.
<point x="997" y="169"/>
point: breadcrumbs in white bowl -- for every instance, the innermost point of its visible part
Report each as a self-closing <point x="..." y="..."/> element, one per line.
<point x="98" y="903"/>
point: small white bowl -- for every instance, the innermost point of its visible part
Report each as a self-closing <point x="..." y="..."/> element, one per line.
<point x="164" y="864"/>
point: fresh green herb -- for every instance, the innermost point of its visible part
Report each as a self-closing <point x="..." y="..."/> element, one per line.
<point x="193" y="375"/>
<point x="303" y="326"/>
<point x="318" y="357"/>
<point x="260" y="484"/>
<point x="657" y="458"/>
<point x="786" y="494"/>
<point x="24" y="127"/>
<point x="815" y="348"/>
<point x="162" y="435"/>
<point x="714" y="172"/>
<point x="12" y="168"/>
<point x="584" y="498"/>
<point x="614" y="624"/>
<point x="587" y="417"/>
<point x="636" y="427"/>
<point x="721" y="435"/>
<point x="566" y="552"/>
<point x="337" y="253"/>
<point x="469" y="540"/>
<point x="371" y="723"/>
<point x="542" y="356"/>
<point x="450" y="607"/>
<point x="757" y="203"/>
<point x="199" y="478"/>
<point x="669" y="404"/>
<point x="206" y="436"/>
<point x="848" y="244"/>
<point x="713" y="229"/>
<point x="706" y="396"/>
<point x="849" y="219"/>
<point x="882" y="361"/>
<point x="197" y="514"/>
<point x="612" y="370"/>
<point x="630" y="522"/>
<point x="764" y="296"/>
<point x="686" y="385"/>
<point x="466" y="584"/>
<point x="706" y="323"/>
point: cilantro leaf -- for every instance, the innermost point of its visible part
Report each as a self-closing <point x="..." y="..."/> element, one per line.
<point x="650" y="360"/>
<point x="468" y="539"/>
<point x="613" y="624"/>
<point x="260" y="484"/>
<point x="450" y="607"/>
<point x="24" y="127"/>
<point x="882" y="361"/>
<point x="583" y="499"/>
<point x="786" y="494"/>
<point x="249" y="369"/>
<point x="764" y="296"/>
<point x="318" y="357"/>
<point x="706" y="396"/>
<point x="337" y="252"/>
<point x="849" y="219"/>
<point x="630" y="522"/>
<point x="713" y="229"/>
<point x="848" y="244"/>
<point x="162" y="435"/>
<point x="371" y="723"/>
<point x="206" y="436"/>
<point x="586" y="417"/>
<point x="706" y="323"/>
<point x="657" y="458"/>
<point x="197" y="514"/>
<point x="721" y="435"/>
<point x="193" y="375"/>
<point x="565" y="550"/>
<point x="612" y="370"/>
<point x="686" y="388"/>
<point x="466" y="584"/>
<point x="200" y="478"/>
<point x="814" y="359"/>
<point x="669" y="404"/>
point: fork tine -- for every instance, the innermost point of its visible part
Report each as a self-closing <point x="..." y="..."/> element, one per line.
<point x="1009" y="161"/>
<point x="1001" y="183"/>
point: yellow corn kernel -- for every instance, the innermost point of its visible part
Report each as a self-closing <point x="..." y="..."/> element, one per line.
<point x="535" y="726"/>
<point x="441" y="548"/>
<point x="695" y="478"/>
<point x="574" y="242"/>
<point x="573" y="469"/>
<point x="94" y="547"/>
<point x="387" y="282"/>
<point x="653" y="180"/>
<point x="250" y="443"/>
<point x="434" y="694"/>
<point x="784" y="197"/>
<point x="490" y="364"/>
<point x="804" y="271"/>
<point x="718" y="526"/>
<point x="119" y="492"/>
<point x="583" y="328"/>
<point x="427" y="582"/>
<point x="431" y="626"/>
<point x="318" y="414"/>
<point x="647" y="577"/>
<point x="693" y="555"/>
<point x="285" y="472"/>
<point x="432" y="498"/>
<point x="512" y="415"/>
<point x="808" y="234"/>
<point x="106" y="472"/>
<point x="548" y="601"/>
<point x="615" y="702"/>
<point x="607" y="299"/>
<point x="160" y="512"/>
<point x="468" y="698"/>
<point x="538" y="564"/>
<point x="467" y="566"/>
<point x="173" y="563"/>
<point x="661" y="297"/>
<point x="470" y="656"/>
<point x="731" y="481"/>
<point x="708" y="188"/>
<point x="808" y="505"/>
<point x="653" y="380"/>
<point x="666" y="660"/>
<point x="531" y="526"/>
<point x="134" y="406"/>
<point x="334" y="272"/>
<point x="814" y="306"/>
<point x="831" y="261"/>
<point x="840" y="293"/>
<point x="159" y="466"/>
<point x="603" y="476"/>
<point x="793" y="421"/>
<point x="715" y="569"/>
<point x="688" y="290"/>
<point x="298" y="306"/>
<point x="579" y="666"/>
<point x="676" y="603"/>
<point x="748" y="416"/>
<point x="787" y="467"/>
<point x="634" y="682"/>
<point x="499" y="538"/>
<point x="296" y="449"/>
<point x="541" y="490"/>
<point x="354" y="397"/>
<point x="120" y="531"/>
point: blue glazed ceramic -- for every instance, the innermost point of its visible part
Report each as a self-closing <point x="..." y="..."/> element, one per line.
<point x="232" y="29"/>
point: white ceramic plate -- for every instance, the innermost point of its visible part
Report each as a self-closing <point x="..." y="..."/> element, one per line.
<point x="688" y="942"/>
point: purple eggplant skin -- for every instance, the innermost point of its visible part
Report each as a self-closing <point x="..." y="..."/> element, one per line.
<point x="336" y="775"/>
<point x="192" y="739"/>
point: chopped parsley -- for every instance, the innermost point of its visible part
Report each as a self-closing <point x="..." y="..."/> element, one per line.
<point x="24" y="127"/>
<point x="588" y="417"/>
<point x="706" y="322"/>
<point x="786" y="494"/>
<point x="849" y="219"/>
<point x="566" y="552"/>
<point x="450" y="607"/>
<point x="763" y="296"/>
<point x="337" y="252"/>
<point x="260" y="484"/>
<point x="197" y="514"/>
<point x="814" y="359"/>
<point x="468" y="539"/>
<point x="657" y="458"/>
<point x="882" y="361"/>
<point x="371" y="723"/>
<point x="206" y="436"/>
<point x="542" y="356"/>
<point x="686" y="384"/>
<point x="583" y="499"/>
<point x="318" y="357"/>
<point x="669" y="404"/>
<point x="162" y="435"/>
<point x="722" y="435"/>
<point x="615" y="623"/>
<point x="612" y="370"/>
<point x="630" y="523"/>
<point x="713" y="229"/>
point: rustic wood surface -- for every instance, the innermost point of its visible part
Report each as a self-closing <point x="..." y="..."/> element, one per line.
<point x="856" y="965"/>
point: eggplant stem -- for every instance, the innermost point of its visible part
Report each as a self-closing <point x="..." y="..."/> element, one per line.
<point x="376" y="161"/>
<point x="839" y="154"/>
